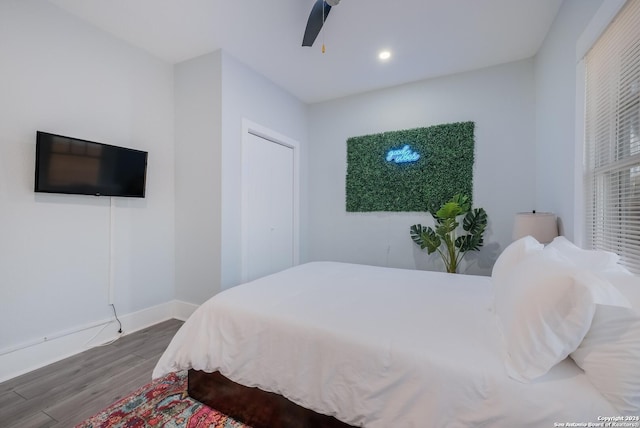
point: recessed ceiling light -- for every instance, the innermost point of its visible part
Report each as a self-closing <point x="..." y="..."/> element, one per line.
<point x="384" y="55"/>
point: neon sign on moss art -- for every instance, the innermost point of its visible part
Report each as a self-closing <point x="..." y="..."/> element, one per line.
<point x="402" y="155"/>
<point x="409" y="170"/>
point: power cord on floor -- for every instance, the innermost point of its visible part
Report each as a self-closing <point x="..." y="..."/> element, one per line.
<point x="116" y="315"/>
<point x="86" y="344"/>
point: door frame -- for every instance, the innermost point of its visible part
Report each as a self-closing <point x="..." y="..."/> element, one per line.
<point x="249" y="127"/>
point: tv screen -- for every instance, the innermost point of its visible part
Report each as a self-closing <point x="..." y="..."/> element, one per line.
<point x="73" y="166"/>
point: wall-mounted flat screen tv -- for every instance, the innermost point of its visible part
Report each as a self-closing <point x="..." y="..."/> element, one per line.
<point x="73" y="166"/>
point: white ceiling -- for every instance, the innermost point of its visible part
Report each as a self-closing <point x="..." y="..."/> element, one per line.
<point x="427" y="38"/>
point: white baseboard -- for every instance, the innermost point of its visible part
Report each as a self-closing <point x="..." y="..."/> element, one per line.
<point x="182" y="310"/>
<point x="30" y="356"/>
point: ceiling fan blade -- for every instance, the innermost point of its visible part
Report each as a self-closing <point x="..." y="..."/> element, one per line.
<point x="314" y="24"/>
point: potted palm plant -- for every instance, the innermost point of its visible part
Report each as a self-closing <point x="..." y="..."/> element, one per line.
<point x="451" y="243"/>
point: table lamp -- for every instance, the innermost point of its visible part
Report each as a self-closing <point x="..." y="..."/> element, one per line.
<point x="542" y="226"/>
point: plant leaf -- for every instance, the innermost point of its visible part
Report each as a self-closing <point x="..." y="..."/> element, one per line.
<point x="469" y="243"/>
<point x="431" y="240"/>
<point x="463" y="201"/>
<point x="449" y="210"/>
<point x="475" y="222"/>
<point x="425" y="237"/>
<point x="446" y="226"/>
<point x="416" y="232"/>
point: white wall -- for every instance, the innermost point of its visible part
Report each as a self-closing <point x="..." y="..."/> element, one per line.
<point x="500" y="100"/>
<point x="214" y="93"/>
<point x="198" y="113"/>
<point x="247" y="94"/>
<point x="60" y="75"/>
<point x="555" y="74"/>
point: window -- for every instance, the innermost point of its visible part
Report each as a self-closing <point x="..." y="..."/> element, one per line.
<point x="612" y="138"/>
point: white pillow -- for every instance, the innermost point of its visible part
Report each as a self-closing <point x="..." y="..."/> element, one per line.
<point x="610" y="356"/>
<point x="545" y="309"/>
<point x="543" y="315"/>
<point x="512" y="255"/>
<point x="593" y="260"/>
<point x="627" y="284"/>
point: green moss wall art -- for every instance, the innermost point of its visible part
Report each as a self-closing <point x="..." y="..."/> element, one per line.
<point x="410" y="170"/>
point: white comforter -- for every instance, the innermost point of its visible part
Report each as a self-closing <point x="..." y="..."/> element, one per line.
<point x="377" y="347"/>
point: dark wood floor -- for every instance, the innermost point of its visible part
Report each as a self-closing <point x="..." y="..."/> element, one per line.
<point x="67" y="392"/>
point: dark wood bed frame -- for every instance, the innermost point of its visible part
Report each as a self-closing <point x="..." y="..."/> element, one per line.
<point x="253" y="406"/>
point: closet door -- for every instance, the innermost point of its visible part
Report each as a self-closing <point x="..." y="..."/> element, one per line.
<point x="268" y="182"/>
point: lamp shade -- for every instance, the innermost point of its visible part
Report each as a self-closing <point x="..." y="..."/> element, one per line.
<point x="542" y="226"/>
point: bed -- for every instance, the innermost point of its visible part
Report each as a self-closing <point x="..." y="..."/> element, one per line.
<point x="377" y="347"/>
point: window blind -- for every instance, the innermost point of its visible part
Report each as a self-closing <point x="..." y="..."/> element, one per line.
<point x="612" y="138"/>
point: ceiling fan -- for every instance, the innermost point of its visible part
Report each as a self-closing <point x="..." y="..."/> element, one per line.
<point x="318" y="14"/>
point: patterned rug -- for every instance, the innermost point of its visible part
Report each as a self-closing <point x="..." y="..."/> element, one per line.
<point x="161" y="403"/>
